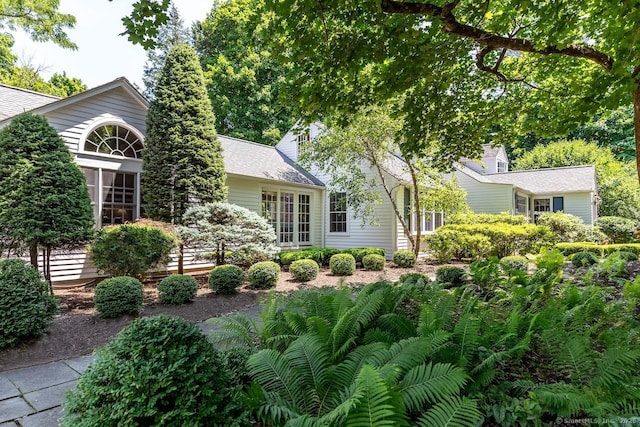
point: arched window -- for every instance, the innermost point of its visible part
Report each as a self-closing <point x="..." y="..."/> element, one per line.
<point x="115" y="140"/>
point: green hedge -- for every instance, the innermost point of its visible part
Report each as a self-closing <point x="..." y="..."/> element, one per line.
<point x="304" y="270"/>
<point x="322" y="255"/>
<point x="600" y="250"/>
<point x="264" y="274"/>
<point x="481" y="240"/>
<point x="226" y="279"/>
<point x="117" y="296"/>
<point x="503" y="218"/>
<point x="342" y="264"/>
<point x="177" y="289"/>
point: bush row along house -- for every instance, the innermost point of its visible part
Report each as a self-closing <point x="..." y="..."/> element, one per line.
<point x="104" y="128"/>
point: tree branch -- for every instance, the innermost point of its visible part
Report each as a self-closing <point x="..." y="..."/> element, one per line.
<point x="488" y="39"/>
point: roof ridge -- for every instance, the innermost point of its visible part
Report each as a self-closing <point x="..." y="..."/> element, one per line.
<point x="246" y="141"/>
<point x="539" y="169"/>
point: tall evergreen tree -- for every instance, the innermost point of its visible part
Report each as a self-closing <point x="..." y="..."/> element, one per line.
<point x="170" y="34"/>
<point x="244" y="80"/>
<point x="44" y="201"/>
<point x="183" y="163"/>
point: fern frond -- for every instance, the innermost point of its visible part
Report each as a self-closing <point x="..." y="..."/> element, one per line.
<point x="466" y="336"/>
<point x="438" y="340"/>
<point x="342" y="301"/>
<point x="575" y="358"/>
<point x="319" y="326"/>
<point x="437" y="315"/>
<point x="274" y="373"/>
<point x="235" y="330"/>
<point x="404" y="354"/>
<point x="347" y="370"/>
<point x="563" y="399"/>
<point x="454" y="412"/>
<point x="379" y="406"/>
<point x="399" y="325"/>
<point x="309" y="358"/>
<point x="305" y="421"/>
<point x="296" y="322"/>
<point x="430" y="384"/>
<point x="617" y="367"/>
<point x="354" y="319"/>
<point x="322" y="306"/>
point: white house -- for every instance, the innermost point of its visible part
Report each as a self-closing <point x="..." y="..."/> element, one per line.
<point x="492" y="188"/>
<point x="104" y="128"/>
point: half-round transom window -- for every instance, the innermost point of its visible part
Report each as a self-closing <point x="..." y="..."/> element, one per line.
<point x="116" y="140"/>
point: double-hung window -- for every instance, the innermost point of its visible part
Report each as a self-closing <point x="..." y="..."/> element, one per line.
<point x="338" y="212"/>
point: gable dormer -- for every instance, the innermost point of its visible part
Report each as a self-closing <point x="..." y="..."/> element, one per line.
<point x="294" y="141"/>
<point x="493" y="160"/>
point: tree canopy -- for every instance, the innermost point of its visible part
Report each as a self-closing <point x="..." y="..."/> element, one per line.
<point x="244" y="79"/>
<point x="617" y="186"/>
<point x="44" y="200"/>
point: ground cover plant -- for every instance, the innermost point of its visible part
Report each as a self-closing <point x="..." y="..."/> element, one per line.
<point x="509" y="348"/>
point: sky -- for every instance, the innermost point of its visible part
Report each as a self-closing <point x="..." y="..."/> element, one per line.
<point x="102" y="54"/>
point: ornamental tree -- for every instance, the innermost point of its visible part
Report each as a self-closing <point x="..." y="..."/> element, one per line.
<point x="362" y="160"/>
<point x="183" y="163"/>
<point x="228" y="227"/>
<point x="44" y="200"/>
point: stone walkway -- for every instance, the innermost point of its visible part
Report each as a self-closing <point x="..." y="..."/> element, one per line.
<point x="33" y="396"/>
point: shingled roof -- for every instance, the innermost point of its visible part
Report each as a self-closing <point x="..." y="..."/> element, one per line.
<point x="14" y="100"/>
<point x="549" y="180"/>
<point x="262" y="161"/>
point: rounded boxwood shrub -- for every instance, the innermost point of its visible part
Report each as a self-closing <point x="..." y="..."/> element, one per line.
<point x="264" y="274"/>
<point x="304" y="270"/>
<point x="342" y="264"/>
<point x="515" y="262"/>
<point x="584" y="259"/>
<point x="132" y="249"/>
<point x="177" y="289"/>
<point x="159" y="370"/>
<point x="453" y="276"/>
<point x="26" y="305"/>
<point x="226" y="279"/>
<point x="373" y="262"/>
<point x="118" y="295"/>
<point x="403" y="258"/>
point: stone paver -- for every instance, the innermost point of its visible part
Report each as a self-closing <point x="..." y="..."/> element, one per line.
<point x="42" y="376"/>
<point x="49" y="397"/>
<point x="80" y="364"/>
<point x="7" y="389"/>
<point x="47" y="418"/>
<point x="13" y="408"/>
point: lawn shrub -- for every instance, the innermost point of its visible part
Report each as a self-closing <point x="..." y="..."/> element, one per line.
<point x="624" y="255"/>
<point x="320" y="255"/>
<point x="177" y="289"/>
<point x="569" y="228"/>
<point x="483" y="218"/>
<point x="131" y="249"/>
<point x="617" y="229"/>
<point x="226" y="279"/>
<point x="515" y="262"/>
<point x="583" y="259"/>
<point x="373" y="262"/>
<point x="117" y="296"/>
<point x="342" y="264"/>
<point x="360" y="253"/>
<point x="264" y="275"/>
<point x="444" y="245"/>
<point x="631" y="290"/>
<point x="414" y="279"/>
<point x="158" y="371"/>
<point x="304" y="270"/>
<point x="26" y="305"/>
<point x="485" y="272"/>
<point x="450" y="275"/>
<point x="571" y="248"/>
<point x="404" y="258"/>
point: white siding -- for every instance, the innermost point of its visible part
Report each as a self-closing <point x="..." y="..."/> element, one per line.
<point x="288" y="144"/>
<point x="578" y="204"/>
<point x="487" y="197"/>
<point x="75" y="119"/>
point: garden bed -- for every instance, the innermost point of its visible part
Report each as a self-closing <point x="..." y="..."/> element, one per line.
<point x="78" y="330"/>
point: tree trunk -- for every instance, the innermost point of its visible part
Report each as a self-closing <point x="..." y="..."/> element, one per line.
<point x="47" y="268"/>
<point x="417" y="207"/>
<point x="636" y="124"/>
<point x="33" y="255"/>
<point x="181" y="259"/>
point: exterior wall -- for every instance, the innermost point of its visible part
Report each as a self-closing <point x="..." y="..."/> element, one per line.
<point x="73" y="121"/>
<point x="578" y="204"/>
<point x="487" y="197"/>
<point x="247" y="193"/>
